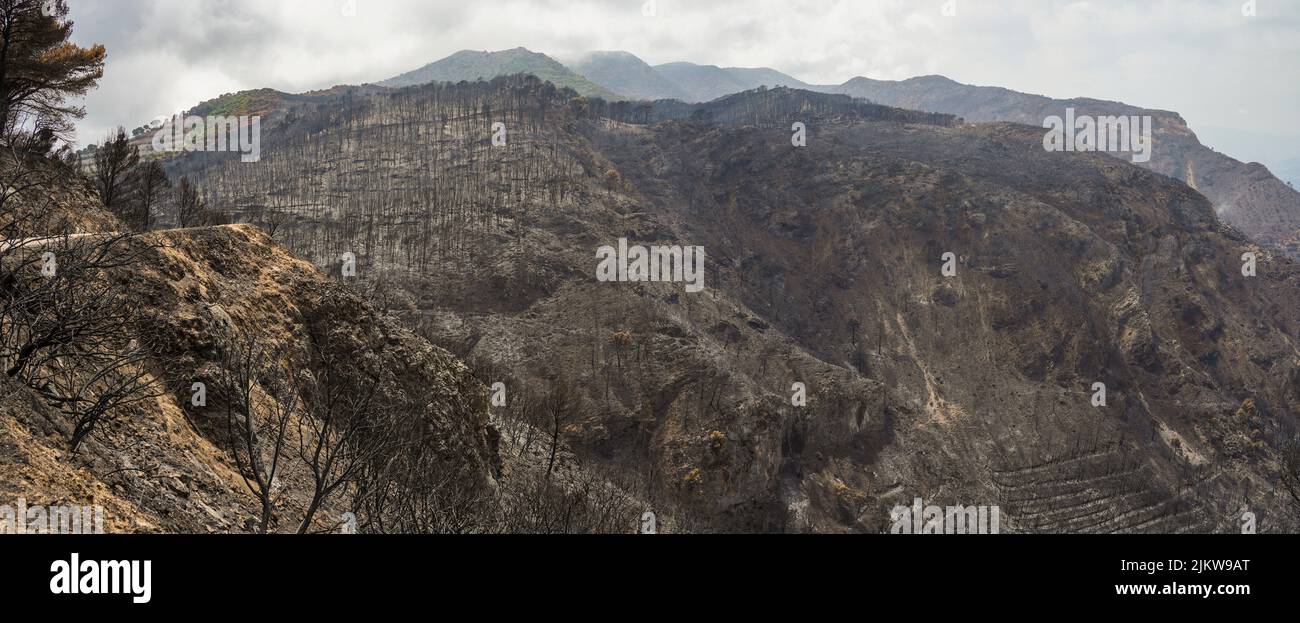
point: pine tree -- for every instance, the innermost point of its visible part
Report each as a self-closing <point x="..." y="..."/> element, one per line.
<point x="40" y="68"/>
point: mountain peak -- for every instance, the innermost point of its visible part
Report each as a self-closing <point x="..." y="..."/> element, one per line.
<point x="622" y="54"/>
<point x="703" y="83"/>
<point x="474" y="65"/>
<point x="625" y="73"/>
<point x="933" y="79"/>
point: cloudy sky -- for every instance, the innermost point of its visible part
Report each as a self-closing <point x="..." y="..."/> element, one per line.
<point x="1233" y="77"/>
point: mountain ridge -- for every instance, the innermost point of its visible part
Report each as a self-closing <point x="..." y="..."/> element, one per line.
<point x="471" y="65"/>
<point x="626" y="74"/>
<point x="708" y="82"/>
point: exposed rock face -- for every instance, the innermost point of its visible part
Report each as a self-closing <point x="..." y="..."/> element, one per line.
<point x="162" y="464"/>
<point x="824" y="268"/>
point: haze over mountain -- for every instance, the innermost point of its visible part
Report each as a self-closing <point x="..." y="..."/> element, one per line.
<point x="1290" y="171"/>
<point x="703" y="83"/>
<point x="611" y="75"/>
<point x="628" y="75"/>
<point x="475" y="65"/>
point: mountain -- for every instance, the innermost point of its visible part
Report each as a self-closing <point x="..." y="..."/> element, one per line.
<point x="1245" y="195"/>
<point x="755" y="77"/>
<point x="470" y="65"/>
<point x="703" y="83"/>
<point x="626" y="74"/>
<point x="824" y="270"/>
